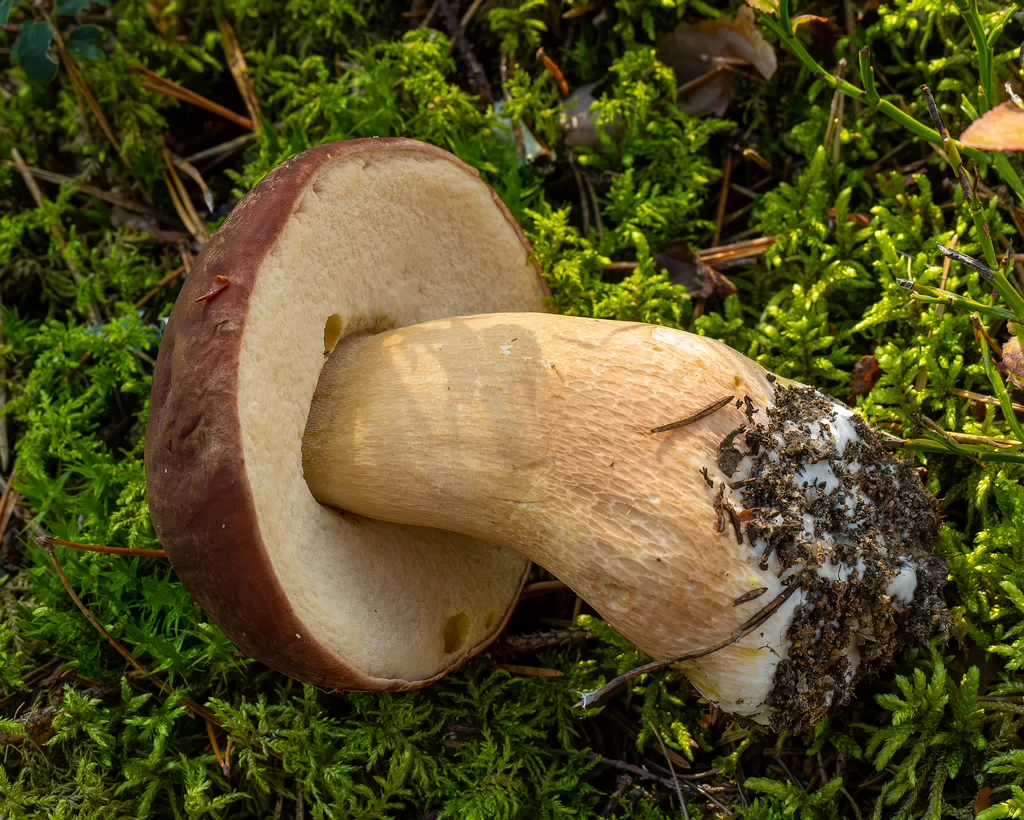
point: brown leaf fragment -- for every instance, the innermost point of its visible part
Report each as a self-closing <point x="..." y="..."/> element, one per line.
<point x="693" y="51"/>
<point x="865" y="375"/>
<point x="1001" y="129"/>
<point x="219" y="283"/>
<point x="686" y="268"/>
<point x="456" y="736"/>
<point x="1013" y="362"/>
<point x="984" y="800"/>
<point x="39" y="725"/>
<point x="860" y="221"/>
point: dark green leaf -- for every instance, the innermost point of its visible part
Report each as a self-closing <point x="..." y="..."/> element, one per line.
<point x="72" y="6"/>
<point x="5" y="10"/>
<point x="32" y="52"/>
<point x="87" y="42"/>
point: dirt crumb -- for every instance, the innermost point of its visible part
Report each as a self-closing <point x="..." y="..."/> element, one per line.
<point x="836" y="513"/>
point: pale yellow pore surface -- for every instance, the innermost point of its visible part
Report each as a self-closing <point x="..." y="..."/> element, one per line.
<point x="534" y="432"/>
<point x="379" y="243"/>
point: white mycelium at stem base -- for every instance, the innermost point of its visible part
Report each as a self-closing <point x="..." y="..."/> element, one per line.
<point x="534" y="432"/>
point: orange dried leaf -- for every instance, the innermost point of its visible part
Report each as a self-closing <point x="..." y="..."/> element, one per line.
<point x="865" y="375"/>
<point x="801" y="19"/>
<point x="1001" y="129"/>
<point x="983" y="800"/>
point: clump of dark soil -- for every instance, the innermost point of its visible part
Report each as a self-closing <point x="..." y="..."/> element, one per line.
<point x="830" y="509"/>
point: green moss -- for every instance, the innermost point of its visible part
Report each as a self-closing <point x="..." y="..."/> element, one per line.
<point x="98" y="742"/>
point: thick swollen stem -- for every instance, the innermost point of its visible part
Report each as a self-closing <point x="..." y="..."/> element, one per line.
<point x="535" y="432"/>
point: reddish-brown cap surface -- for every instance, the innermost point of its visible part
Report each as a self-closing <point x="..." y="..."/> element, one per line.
<point x="349" y="238"/>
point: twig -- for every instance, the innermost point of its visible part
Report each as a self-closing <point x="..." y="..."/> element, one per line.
<point x="47" y="542"/>
<point x="124" y="653"/>
<point x="834" y="129"/>
<point x="174" y="274"/>
<point x="531" y="671"/>
<point x="428" y="18"/>
<point x="225" y="767"/>
<point x="671" y="768"/>
<point x="700" y="414"/>
<point x="643" y="774"/>
<point x="161" y="85"/>
<point x="89" y="190"/>
<point x="542" y="588"/>
<point x="467" y="18"/>
<point x="956" y="163"/>
<point x="723" y="198"/>
<point x="190" y="169"/>
<point x="584" y="198"/>
<point x="240" y="71"/>
<point x="594" y="699"/>
<point x="477" y="76"/>
<point x="748" y="249"/>
<point x="80" y="86"/>
<point x="737" y="250"/>
<point x="756" y="158"/>
<point x="703" y="79"/>
<point x="182" y="202"/>
<point x="222" y="150"/>
<point x="517" y="644"/>
<point x="970" y="394"/>
<point x="8" y="501"/>
<point x="554" y="72"/>
<point x="194" y="707"/>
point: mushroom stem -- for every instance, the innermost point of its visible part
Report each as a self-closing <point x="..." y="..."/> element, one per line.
<point x="535" y="432"/>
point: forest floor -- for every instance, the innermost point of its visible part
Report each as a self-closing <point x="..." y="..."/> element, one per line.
<point x="790" y="203"/>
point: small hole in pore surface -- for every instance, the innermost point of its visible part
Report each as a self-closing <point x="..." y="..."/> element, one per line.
<point x="332" y="332"/>
<point x="456" y="630"/>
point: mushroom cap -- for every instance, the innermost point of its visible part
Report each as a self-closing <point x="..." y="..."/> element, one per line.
<point x="349" y="238"/>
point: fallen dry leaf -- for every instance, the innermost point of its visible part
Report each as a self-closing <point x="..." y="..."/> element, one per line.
<point x="703" y="57"/>
<point x="983" y="800"/>
<point x="865" y="375"/>
<point x="860" y="221"/>
<point x="695" y="51"/>
<point x="1013" y="362"/>
<point x="1001" y="129"/>
<point x="686" y="268"/>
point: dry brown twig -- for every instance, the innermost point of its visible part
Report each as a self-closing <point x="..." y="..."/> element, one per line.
<point x="46" y="541"/>
<point x="195" y="708"/>
<point x="151" y="294"/>
<point x="161" y="85"/>
<point x="240" y="71"/>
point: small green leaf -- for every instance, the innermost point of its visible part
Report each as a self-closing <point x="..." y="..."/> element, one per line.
<point x="32" y="52"/>
<point x="5" y="10"/>
<point x="87" y="42"/>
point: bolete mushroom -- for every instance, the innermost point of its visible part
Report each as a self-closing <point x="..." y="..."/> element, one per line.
<point x="364" y="427"/>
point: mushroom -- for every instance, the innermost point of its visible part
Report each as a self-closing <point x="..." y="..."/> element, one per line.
<point x="364" y="427"/>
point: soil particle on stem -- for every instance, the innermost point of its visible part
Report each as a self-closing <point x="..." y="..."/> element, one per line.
<point x="828" y="507"/>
